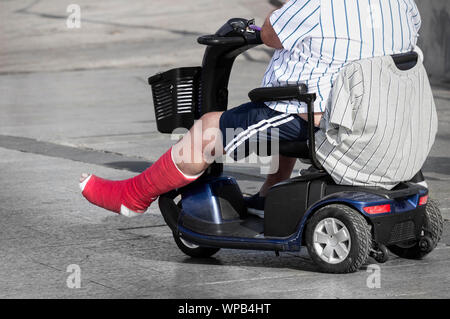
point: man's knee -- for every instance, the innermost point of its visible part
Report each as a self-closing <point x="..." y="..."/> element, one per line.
<point x="211" y="120"/>
<point x="211" y="135"/>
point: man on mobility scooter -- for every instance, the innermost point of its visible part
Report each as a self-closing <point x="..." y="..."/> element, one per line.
<point x="316" y="43"/>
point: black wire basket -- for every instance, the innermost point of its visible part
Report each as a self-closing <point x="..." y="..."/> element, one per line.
<point x="176" y="95"/>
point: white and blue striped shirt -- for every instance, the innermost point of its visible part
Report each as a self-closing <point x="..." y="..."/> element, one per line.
<point x="320" y="37"/>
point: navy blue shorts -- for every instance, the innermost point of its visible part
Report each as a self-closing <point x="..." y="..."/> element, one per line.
<point x="249" y="126"/>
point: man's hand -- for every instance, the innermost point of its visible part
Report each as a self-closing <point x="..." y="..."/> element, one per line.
<point x="317" y="118"/>
<point x="269" y="36"/>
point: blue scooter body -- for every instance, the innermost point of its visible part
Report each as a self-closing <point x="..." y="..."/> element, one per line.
<point x="213" y="214"/>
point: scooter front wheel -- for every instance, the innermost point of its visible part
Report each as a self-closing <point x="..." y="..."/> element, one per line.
<point x="192" y="249"/>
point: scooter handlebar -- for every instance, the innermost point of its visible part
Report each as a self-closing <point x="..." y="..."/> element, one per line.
<point x="236" y="32"/>
<point x="216" y="40"/>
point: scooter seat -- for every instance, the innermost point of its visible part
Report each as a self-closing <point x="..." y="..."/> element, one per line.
<point x="296" y="149"/>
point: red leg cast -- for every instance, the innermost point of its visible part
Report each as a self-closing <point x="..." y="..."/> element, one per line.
<point x="135" y="195"/>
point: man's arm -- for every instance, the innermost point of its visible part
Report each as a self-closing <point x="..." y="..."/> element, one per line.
<point x="269" y="36"/>
<point x="271" y="39"/>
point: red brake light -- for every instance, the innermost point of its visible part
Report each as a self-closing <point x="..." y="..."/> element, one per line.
<point x="423" y="200"/>
<point x="380" y="209"/>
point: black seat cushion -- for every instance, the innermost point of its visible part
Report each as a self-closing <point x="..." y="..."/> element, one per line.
<point x="295" y="149"/>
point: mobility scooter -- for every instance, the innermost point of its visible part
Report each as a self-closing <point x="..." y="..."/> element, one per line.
<point x="341" y="226"/>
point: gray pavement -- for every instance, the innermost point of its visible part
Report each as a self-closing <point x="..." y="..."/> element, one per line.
<point x="75" y="100"/>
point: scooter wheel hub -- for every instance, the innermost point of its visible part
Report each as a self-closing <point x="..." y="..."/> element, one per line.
<point x="332" y="240"/>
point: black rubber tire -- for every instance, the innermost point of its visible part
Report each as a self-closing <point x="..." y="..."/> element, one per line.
<point x="382" y="255"/>
<point x="433" y="227"/>
<point x="359" y="230"/>
<point x="198" y="252"/>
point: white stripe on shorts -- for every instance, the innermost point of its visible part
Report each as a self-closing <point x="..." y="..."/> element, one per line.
<point x="249" y="132"/>
<point x="255" y="126"/>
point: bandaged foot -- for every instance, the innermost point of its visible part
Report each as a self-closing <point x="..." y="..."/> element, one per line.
<point x="133" y="196"/>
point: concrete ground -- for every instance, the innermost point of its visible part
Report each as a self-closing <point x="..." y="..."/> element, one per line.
<point x="76" y="100"/>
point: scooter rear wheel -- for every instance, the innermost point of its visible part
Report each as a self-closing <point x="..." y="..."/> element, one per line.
<point x="432" y="232"/>
<point x="192" y="249"/>
<point x="338" y="239"/>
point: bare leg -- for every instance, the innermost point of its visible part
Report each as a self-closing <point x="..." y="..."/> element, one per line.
<point x="197" y="149"/>
<point x="284" y="172"/>
<point x="180" y="165"/>
<point x="192" y="154"/>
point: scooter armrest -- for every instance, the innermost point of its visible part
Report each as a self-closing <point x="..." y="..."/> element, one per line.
<point x="282" y="93"/>
<point x="292" y="92"/>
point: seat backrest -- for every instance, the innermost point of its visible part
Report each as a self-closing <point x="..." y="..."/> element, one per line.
<point x="405" y="61"/>
<point x="354" y="140"/>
